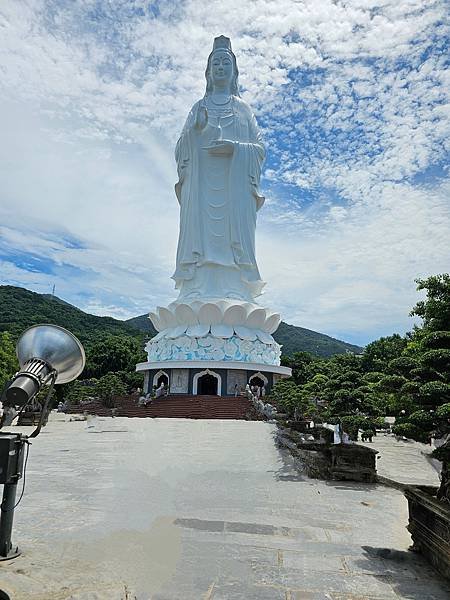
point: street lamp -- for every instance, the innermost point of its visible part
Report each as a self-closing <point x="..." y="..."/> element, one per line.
<point x="47" y="355"/>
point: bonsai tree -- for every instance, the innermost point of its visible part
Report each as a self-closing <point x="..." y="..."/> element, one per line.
<point x="108" y="386"/>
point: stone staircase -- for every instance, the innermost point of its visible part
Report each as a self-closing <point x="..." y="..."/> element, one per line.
<point x="181" y="407"/>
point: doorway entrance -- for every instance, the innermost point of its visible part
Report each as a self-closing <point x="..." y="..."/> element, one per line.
<point x="162" y="379"/>
<point x="257" y="381"/>
<point x="207" y="385"/>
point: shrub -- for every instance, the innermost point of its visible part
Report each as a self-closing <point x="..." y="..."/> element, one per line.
<point x="391" y="383"/>
<point x="108" y="386"/>
<point x="410" y="387"/>
<point x="373" y="376"/>
<point x="443" y="412"/>
<point x="402" y="365"/>
<point x="421" y="419"/>
<point x="435" y="392"/>
<point x="409" y="430"/>
<point x="437" y="339"/>
<point x="437" y="359"/>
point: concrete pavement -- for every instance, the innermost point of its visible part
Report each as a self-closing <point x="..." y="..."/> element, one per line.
<point x="169" y="509"/>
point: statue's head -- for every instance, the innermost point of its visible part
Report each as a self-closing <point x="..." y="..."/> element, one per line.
<point x="222" y="66"/>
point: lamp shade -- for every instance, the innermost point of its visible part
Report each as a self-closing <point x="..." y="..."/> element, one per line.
<point x="54" y="345"/>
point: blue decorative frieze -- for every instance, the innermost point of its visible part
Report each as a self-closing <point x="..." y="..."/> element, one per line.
<point x="213" y="348"/>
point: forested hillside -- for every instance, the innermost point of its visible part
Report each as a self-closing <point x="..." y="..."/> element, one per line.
<point x="21" y="308"/>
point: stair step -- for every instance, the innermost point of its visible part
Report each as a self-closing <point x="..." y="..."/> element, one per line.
<point x="188" y="407"/>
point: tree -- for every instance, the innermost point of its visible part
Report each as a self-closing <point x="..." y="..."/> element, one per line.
<point x="435" y="309"/>
<point x="8" y="360"/>
<point x="299" y="362"/>
<point x="108" y="386"/>
<point x="113" y="353"/>
<point x="379" y="353"/>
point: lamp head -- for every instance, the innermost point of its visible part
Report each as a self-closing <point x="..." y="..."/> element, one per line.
<point x="43" y="351"/>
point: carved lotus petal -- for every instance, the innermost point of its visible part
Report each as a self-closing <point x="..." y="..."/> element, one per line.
<point x="209" y="313"/>
<point x="198" y="330"/>
<point x="175" y="332"/>
<point x="245" y="333"/>
<point x="222" y="331"/>
<point x="156" y="321"/>
<point x="272" y="322"/>
<point x="235" y="315"/>
<point x="264" y="337"/>
<point x="158" y="336"/>
<point x="256" y="318"/>
<point x="166" y="317"/>
<point x="185" y="315"/>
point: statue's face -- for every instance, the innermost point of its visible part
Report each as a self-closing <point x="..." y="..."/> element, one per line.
<point x="221" y="67"/>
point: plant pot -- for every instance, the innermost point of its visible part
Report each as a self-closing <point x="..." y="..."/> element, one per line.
<point x="429" y="525"/>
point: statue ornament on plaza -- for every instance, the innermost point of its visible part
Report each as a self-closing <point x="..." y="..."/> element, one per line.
<point x="219" y="158"/>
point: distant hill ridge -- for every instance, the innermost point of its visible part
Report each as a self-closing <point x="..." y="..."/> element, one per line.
<point x="20" y="308"/>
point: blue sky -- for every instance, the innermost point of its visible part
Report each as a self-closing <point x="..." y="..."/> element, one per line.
<point x="353" y="100"/>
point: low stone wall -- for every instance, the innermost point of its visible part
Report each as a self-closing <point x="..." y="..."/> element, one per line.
<point x="429" y="525"/>
<point x="321" y="460"/>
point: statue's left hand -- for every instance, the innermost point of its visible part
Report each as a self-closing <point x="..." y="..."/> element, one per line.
<point x="220" y="148"/>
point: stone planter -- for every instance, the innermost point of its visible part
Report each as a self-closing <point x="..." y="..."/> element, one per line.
<point x="341" y="462"/>
<point x="429" y="525"/>
<point x="353" y="463"/>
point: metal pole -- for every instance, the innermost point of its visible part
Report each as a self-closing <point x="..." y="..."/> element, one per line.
<point x="6" y="522"/>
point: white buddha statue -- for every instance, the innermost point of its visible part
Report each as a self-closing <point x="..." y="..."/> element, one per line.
<point x="219" y="157"/>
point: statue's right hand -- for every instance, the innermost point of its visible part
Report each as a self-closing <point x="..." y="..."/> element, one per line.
<point x="201" y="119"/>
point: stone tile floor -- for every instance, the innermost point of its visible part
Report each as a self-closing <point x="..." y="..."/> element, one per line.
<point x="170" y="509"/>
<point x="404" y="461"/>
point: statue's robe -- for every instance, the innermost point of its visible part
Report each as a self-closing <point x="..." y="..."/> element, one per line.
<point x="219" y="197"/>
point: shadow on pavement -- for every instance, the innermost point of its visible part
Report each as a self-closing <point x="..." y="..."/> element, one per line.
<point x="408" y="573"/>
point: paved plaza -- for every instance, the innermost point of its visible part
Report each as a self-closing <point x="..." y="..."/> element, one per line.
<point x="168" y="509"/>
<point x="404" y="461"/>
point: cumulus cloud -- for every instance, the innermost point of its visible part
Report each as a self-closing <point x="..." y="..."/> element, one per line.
<point x="354" y="104"/>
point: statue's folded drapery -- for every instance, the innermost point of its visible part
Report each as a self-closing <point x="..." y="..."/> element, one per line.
<point x="219" y="197"/>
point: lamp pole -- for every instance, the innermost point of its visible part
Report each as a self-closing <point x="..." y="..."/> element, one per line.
<point x="11" y="456"/>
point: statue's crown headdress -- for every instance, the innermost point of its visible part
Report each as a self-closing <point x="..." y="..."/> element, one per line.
<point x="222" y="43"/>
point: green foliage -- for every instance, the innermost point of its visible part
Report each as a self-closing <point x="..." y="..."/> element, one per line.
<point x="391" y="383"/>
<point x="20" y="308"/>
<point x="8" y="360"/>
<point x="435" y="310"/>
<point x="443" y="412"/>
<point x="422" y="419"/>
<point x="378" y="354"/>
<point x="352" y="423"/>
<point x="290" y="397"/>
<point x="294" y="338"/>
<point x="300" y="363"/>
<point x="411" y="431"/>
<point x="77" y="391"/>
<point x="410" y="387"/>
<point x="112" y="354"/>
<point x="402" y="365"/>
<point x="436" y="339"/>
<point x="108" y="386"/>
<point x="435" y="392"/>
<point x="438" y="359"/>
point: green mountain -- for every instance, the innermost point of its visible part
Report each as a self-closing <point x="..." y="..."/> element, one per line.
<point x="20" y="308"/>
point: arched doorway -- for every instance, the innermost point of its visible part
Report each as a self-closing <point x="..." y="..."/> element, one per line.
<point x="260" y="381"/>
<point x="257" y="381"/>
<point x="207" y="383"/>
<point x="161" y="377"/>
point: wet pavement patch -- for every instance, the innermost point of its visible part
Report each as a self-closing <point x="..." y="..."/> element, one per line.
<point x="235" y="527"/>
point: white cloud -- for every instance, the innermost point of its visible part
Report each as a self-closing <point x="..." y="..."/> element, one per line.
<point x="353" y="98"/>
